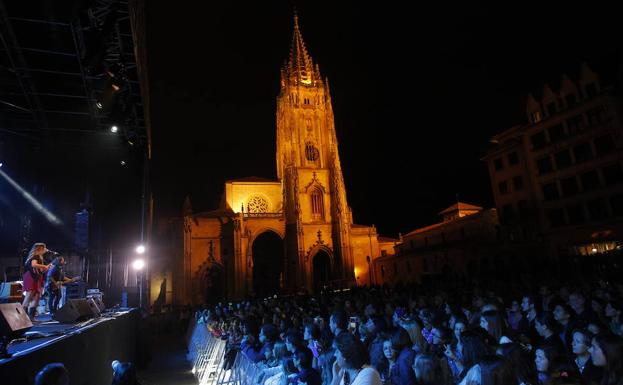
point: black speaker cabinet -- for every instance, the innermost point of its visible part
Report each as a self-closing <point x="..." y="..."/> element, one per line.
<point x="130" y="297"/>
<point x="13" y="319"/>
<point x="75" y="310"/>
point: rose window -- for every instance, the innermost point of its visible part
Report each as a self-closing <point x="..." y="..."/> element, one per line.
<point x="257" y="204"/>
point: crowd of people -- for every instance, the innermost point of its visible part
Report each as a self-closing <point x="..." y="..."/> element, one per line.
<point x="463" y="333"/>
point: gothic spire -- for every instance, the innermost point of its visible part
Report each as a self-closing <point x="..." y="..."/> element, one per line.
<point x="300" y="67"/>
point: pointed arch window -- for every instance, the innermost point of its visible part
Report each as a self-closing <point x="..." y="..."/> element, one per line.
<point x="311" y="153"/>
<point x="317" y="202"/>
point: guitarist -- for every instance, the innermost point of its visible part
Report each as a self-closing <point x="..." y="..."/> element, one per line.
<point x="34" y="277"/>
<point x="55" y="278"/>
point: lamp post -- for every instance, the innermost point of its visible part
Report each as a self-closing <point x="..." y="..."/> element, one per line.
<point x="138" y="265"/>
<point x="369" y="271"/>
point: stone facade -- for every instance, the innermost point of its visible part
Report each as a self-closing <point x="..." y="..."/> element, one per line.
<point x="458" y="244"/>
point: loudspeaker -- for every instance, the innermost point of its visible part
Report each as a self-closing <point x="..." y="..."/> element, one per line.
<point x="13" y="319"/>
<point x="75" y="310"/>
<point x="99" y="303"/>
<point x="130" y="296"/>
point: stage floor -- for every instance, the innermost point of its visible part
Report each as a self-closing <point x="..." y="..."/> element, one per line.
<point x="86" y="348"/>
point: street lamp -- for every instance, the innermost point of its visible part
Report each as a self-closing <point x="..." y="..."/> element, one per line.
<point x="138" y="265"/>
<point x="369" y="271"/>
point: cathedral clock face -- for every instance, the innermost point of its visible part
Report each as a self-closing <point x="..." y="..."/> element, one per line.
<point x="257" y="204"/>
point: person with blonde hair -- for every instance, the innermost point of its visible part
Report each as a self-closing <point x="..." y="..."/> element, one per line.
<point x="415" y="334"/>
<point x="34" y="277"/>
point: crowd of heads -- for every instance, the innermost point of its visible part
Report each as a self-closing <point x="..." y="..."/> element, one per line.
<point x="123" y="373"/>
<point x="462" y="333"/>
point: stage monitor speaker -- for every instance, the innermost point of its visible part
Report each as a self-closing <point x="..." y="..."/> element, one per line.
<point x="99" y="303"/>
<point x="75" y="310"/>
<point x="13" y="319"/>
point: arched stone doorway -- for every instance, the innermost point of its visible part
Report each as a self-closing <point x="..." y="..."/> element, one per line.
<point x="321" y="269"/>
<point x="268" y="263"/>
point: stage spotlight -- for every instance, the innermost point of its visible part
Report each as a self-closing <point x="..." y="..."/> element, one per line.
<point x="140" y="249"/>
<point x="99" y="105"/>
<point x="114" y="129"/>
<point x="594" y="250"/>
<point x="0" y="164"/>
<point x="122" y="162"/>
<point x="138" y="264"/>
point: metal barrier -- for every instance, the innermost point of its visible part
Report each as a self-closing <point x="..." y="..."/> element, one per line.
<point x="207" y="352"/>
<point x="245" y="371"/>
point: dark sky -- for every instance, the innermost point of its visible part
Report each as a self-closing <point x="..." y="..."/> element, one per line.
<point x="70" y="162"/>
<point x="417" y="92"/>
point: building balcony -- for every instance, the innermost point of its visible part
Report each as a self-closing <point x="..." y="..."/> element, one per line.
<point x="263" y="215"/>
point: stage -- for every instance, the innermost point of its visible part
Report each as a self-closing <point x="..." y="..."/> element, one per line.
<point x="85" y="348"/>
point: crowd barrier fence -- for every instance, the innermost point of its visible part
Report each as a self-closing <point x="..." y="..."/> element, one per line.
<point x="206" y="353"/>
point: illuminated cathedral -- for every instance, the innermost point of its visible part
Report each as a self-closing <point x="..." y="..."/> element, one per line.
<point x="288" y="235"/>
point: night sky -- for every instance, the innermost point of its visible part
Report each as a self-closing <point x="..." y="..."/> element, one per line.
<point x="417" y="92"/>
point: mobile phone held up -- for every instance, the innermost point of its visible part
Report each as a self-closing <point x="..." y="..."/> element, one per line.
<point x="353" y="322"/>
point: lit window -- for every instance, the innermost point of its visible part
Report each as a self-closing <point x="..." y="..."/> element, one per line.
<point x="536" y="116"/>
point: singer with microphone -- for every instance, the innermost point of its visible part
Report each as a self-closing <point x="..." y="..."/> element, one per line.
<point x="33" y="278"/>
<point x="49" y="256"/>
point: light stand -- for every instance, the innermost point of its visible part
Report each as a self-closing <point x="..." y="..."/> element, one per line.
<point x="138" y="266"/>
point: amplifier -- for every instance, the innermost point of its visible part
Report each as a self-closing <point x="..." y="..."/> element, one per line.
<point x="10" y="292"/>
<point x="75" y="290"/>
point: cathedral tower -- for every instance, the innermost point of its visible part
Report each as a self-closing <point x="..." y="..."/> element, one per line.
<point x="317" y="215"/>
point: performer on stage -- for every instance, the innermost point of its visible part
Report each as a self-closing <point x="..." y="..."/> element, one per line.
<point x="55" y="278"/>
<point x="33" y="278"/>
